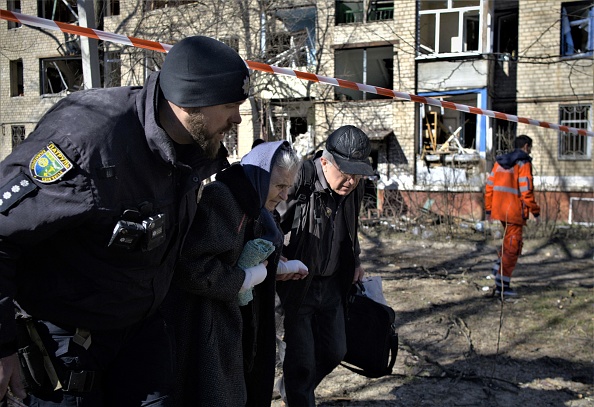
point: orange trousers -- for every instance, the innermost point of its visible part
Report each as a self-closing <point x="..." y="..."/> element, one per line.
<point x="509" y="252"/>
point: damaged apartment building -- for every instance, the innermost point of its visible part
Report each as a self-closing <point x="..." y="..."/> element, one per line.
<point x="528" y="58"/>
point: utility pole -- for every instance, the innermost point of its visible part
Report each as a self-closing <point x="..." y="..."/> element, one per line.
<point x="88" y="46"/>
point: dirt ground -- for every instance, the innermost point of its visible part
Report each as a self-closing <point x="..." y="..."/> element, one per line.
<point x="459" y="345"/>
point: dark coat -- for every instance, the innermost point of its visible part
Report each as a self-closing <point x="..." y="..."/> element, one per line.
<point x="218" y="342"/>
<point x="305" y="242"/>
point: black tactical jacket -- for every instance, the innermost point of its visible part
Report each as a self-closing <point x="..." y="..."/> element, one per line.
<point x="113" y="158"/>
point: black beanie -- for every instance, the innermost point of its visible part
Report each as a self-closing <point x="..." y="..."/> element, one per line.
<point x="201" y="71"/>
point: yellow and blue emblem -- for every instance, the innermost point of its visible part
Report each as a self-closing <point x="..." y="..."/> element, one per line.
<point x="50" y="164"/>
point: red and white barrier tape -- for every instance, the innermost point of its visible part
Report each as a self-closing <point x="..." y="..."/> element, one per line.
<point x="259" y="66"/>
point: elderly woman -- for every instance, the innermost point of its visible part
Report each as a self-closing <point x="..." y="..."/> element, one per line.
<point x="226" y="351"/>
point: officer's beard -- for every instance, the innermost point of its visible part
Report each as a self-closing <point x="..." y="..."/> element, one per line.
<point x="210" y="143"/>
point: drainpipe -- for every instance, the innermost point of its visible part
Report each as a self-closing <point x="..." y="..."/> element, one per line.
<point x="365" y="71"/>
<point x="417" y="119"/>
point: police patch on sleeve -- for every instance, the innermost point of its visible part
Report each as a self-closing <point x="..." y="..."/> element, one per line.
<point x="50" y="164"/>
<point x="15" y="190"/>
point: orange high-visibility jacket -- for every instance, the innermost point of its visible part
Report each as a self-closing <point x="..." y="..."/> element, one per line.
<point x="509" y="193"/>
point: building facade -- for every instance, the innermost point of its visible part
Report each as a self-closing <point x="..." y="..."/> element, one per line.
<point x="530" y="58"/>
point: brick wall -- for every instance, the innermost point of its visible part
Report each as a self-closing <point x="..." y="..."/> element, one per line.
<point x="545" y="80"/>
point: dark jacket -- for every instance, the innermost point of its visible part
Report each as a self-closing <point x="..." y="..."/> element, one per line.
<point x="306" y="231"/>
<point x="54" y="239"/>
<point x="225" y="353"/>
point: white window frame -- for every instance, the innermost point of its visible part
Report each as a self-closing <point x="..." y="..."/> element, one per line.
<point x="570" y="218"/>
<point x="426" y="52"/>
<point x="567" y="118"/>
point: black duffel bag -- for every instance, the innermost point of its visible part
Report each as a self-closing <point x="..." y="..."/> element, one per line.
<point x="372" y="341"/>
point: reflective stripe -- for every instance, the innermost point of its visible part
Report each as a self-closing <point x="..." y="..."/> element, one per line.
<point x="495" y="269"/>
<point x="506" y="189"/>
<point x="524" y="184"/>
<point x="507" y="170"/>
<point x="489" y="182"/>
<point x="501" y="277"/>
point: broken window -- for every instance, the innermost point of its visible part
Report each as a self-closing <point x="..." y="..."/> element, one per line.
<point x="448" y="132"/>
<point x="354" y="11"/>
<point x="449" y="26"/>
<point x="298" y="126"/>
<point x="293" y="43"/>
<point x="285" y="120"/>
<point x="17" y="87"/>
<point x="18" y="135"/>
<point x="64" y="11"/>
<point x="370" y="66"/>
<point x="504" y="134"/>
<point x="63" y="74"/>
<point x="575" y="146"/>
<point x="13" y="5"/>
<point x="506" y="36"/>
<point x="577" y="28"/>
<point x="287" y="49"/>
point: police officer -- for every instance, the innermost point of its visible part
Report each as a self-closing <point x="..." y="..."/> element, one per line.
<point x="94" y="208"/>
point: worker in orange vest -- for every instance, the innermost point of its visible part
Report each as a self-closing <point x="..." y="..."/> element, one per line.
<point x="509" y="198"/>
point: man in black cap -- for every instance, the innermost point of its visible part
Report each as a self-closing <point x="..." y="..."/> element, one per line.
<point x="321" y="214"/>
<point x="94" y="207"/>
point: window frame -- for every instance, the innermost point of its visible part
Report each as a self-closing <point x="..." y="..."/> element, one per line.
<point x="13" y="130"/>
<point x="70" y="87"/>
<point x="363" y="77"/>
<point x="17" y="78"/>
<point x="64" y="11"/>
<point x="367" y="11"/>
<point x="464" y="16"/>
<point x="14" y="6"/>
<point x="568" y="26"/>
<point x="569" y="138"/>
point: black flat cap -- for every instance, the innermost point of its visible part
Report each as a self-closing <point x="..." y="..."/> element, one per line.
<point x="350" y="148"/>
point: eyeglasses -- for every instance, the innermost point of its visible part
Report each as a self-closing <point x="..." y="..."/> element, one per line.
<point x="354" y="177"/>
